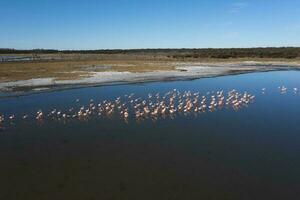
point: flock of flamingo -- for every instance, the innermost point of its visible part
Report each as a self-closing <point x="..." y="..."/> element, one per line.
<point x="152" y="106"/>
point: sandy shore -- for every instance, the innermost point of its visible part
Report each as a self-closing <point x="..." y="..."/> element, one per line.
<point x="180" y="72"/>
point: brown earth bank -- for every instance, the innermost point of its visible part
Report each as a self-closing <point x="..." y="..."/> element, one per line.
<point x="50" y="71"/>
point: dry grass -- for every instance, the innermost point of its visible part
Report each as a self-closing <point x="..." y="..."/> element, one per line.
<point x="76" y="66"/>
<point x="73" y="69"/>
<point x="28" y="70"/>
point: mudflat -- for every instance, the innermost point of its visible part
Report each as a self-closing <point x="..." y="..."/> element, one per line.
<point x="50" y="71"/>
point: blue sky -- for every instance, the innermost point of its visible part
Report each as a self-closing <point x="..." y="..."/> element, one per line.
<point x="113" y="24"/>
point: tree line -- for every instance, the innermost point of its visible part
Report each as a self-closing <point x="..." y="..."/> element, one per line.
<point x="281" y="52"/>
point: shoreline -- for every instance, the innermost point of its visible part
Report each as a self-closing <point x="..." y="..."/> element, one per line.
<point x="183" y="71"/>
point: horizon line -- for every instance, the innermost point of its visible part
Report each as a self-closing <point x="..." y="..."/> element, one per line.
<point x="159" y="48"/>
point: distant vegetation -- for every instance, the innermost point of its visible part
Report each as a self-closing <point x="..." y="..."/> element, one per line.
<point x="284" y="52"/>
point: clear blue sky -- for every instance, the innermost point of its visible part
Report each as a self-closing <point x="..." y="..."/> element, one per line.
<point x="103" y="24"/>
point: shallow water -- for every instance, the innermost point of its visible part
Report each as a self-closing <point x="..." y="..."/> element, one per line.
<point x="250" y="153"/>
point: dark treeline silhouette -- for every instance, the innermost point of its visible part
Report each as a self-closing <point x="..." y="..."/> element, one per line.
<point x="270" y="52"/>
